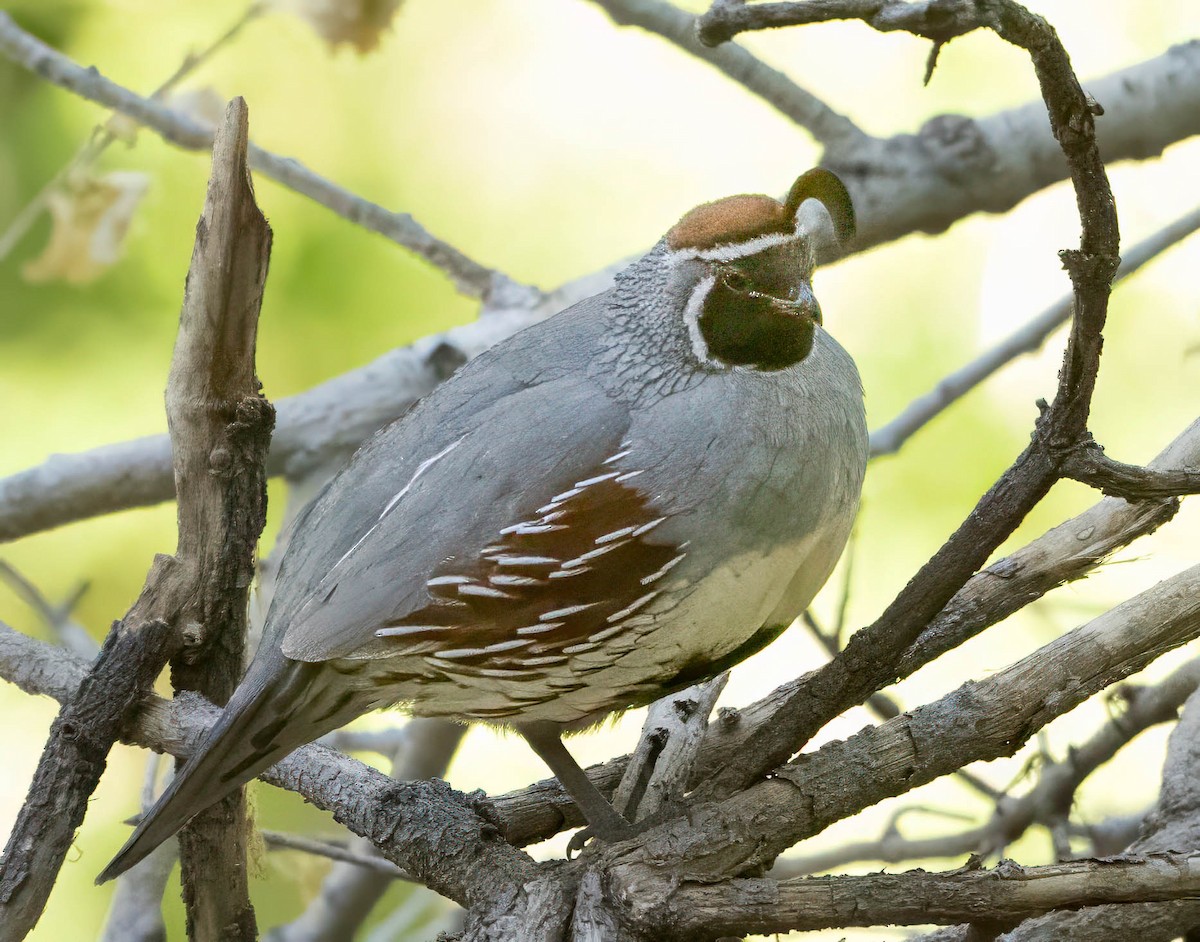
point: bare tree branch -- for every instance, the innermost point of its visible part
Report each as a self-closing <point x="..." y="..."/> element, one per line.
<point x="349" y="892"/>
<point x="1090" y="465"/>
<point x="663" y="764"/>
<point x="72" y="635"/>
<point x="471" y="278"/>
<point x="136" y="911"/>
<point x="279" y="840"/>
<point x="1001" y="896"/>
<point x="221" y="426"/>
<point x="1051" y="796"/>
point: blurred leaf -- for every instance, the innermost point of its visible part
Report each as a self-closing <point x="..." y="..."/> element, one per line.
<point x="90" y="217"/>
<point x="360" y="23"/>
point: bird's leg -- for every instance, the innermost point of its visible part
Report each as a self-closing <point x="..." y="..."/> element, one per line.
<point x="603" y="820"/>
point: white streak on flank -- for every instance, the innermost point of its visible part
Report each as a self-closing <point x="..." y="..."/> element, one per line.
<point x="421" y="469"/>
<point x="592" y="554"/>
<point x="565" y="495"/>
<point x="646" y="580"/>
<point x="543" y="661"/>
<point x="580" y="648"/>
<point x="400" y="631"/>
<point x="617" y="457"/>
<point x="459" y="652"/>
<point x="507" y="645"/>
<point x="566" y="612"/>
<point x="630" y="609"/>
<point x="564" y="573"/>
<point x="732" y="250"/>
<point x="511" y="559"/>
<point x="530" y="527"/>
<point x="607" y="632"/>
<point x="499" y="548"/>
<point x="615" y="535"/>
<point x="597" y="479"/>
<point x="484" y="591"/>
<point x="503" y="579"/>
<point x="553" y="505"/>
<point x="630" y="474"/>
<point x="539" y="629"/>
<point x="502" y="673"/>
<point x="557" y="515"/>
<point x="447" y="580"/>
<point x="691" y="317"/>
<point x="647" y="527"/>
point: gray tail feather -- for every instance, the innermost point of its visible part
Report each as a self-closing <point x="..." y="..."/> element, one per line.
<point x="273" y="711"/>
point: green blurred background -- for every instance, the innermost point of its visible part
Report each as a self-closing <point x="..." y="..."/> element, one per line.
<point x="543" y="141"/>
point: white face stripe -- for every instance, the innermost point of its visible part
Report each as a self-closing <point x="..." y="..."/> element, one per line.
<point x="727" y="253"/>
<point x="691" y="317"/>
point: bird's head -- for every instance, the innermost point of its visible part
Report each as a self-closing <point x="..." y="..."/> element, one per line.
<point x="742" y="268"/>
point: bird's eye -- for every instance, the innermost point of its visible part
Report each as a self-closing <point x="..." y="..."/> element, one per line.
<point x="736" y="281"/>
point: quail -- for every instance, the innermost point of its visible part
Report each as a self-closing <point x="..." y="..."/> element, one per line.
<point x="612" y="505"/>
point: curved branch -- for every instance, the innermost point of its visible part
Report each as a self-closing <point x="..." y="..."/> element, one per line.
<point x="1089" y="465"/>
<point x="869" y="660"/>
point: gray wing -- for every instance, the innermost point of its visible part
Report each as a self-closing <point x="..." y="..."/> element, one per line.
<point x="514" y="428"/>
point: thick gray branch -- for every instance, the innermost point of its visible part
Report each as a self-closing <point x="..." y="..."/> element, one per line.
<point x="1000" y="896"/>
<point x="1049" y="799"/>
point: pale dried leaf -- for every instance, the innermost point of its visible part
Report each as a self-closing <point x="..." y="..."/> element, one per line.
<point x="361" y="23"/>
<point x="90" y="218"/>
<point x="203" y="104"/>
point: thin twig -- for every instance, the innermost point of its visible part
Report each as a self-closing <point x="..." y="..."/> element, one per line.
<point x="102" y="135"/>
<point x="471" y="278"/>
<point x="888" y="439"/>
<point x="136" y="911"/>
<point x="72" y="635"/>
<point x="279" y="840"/>
<point x="827" y="126"/>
